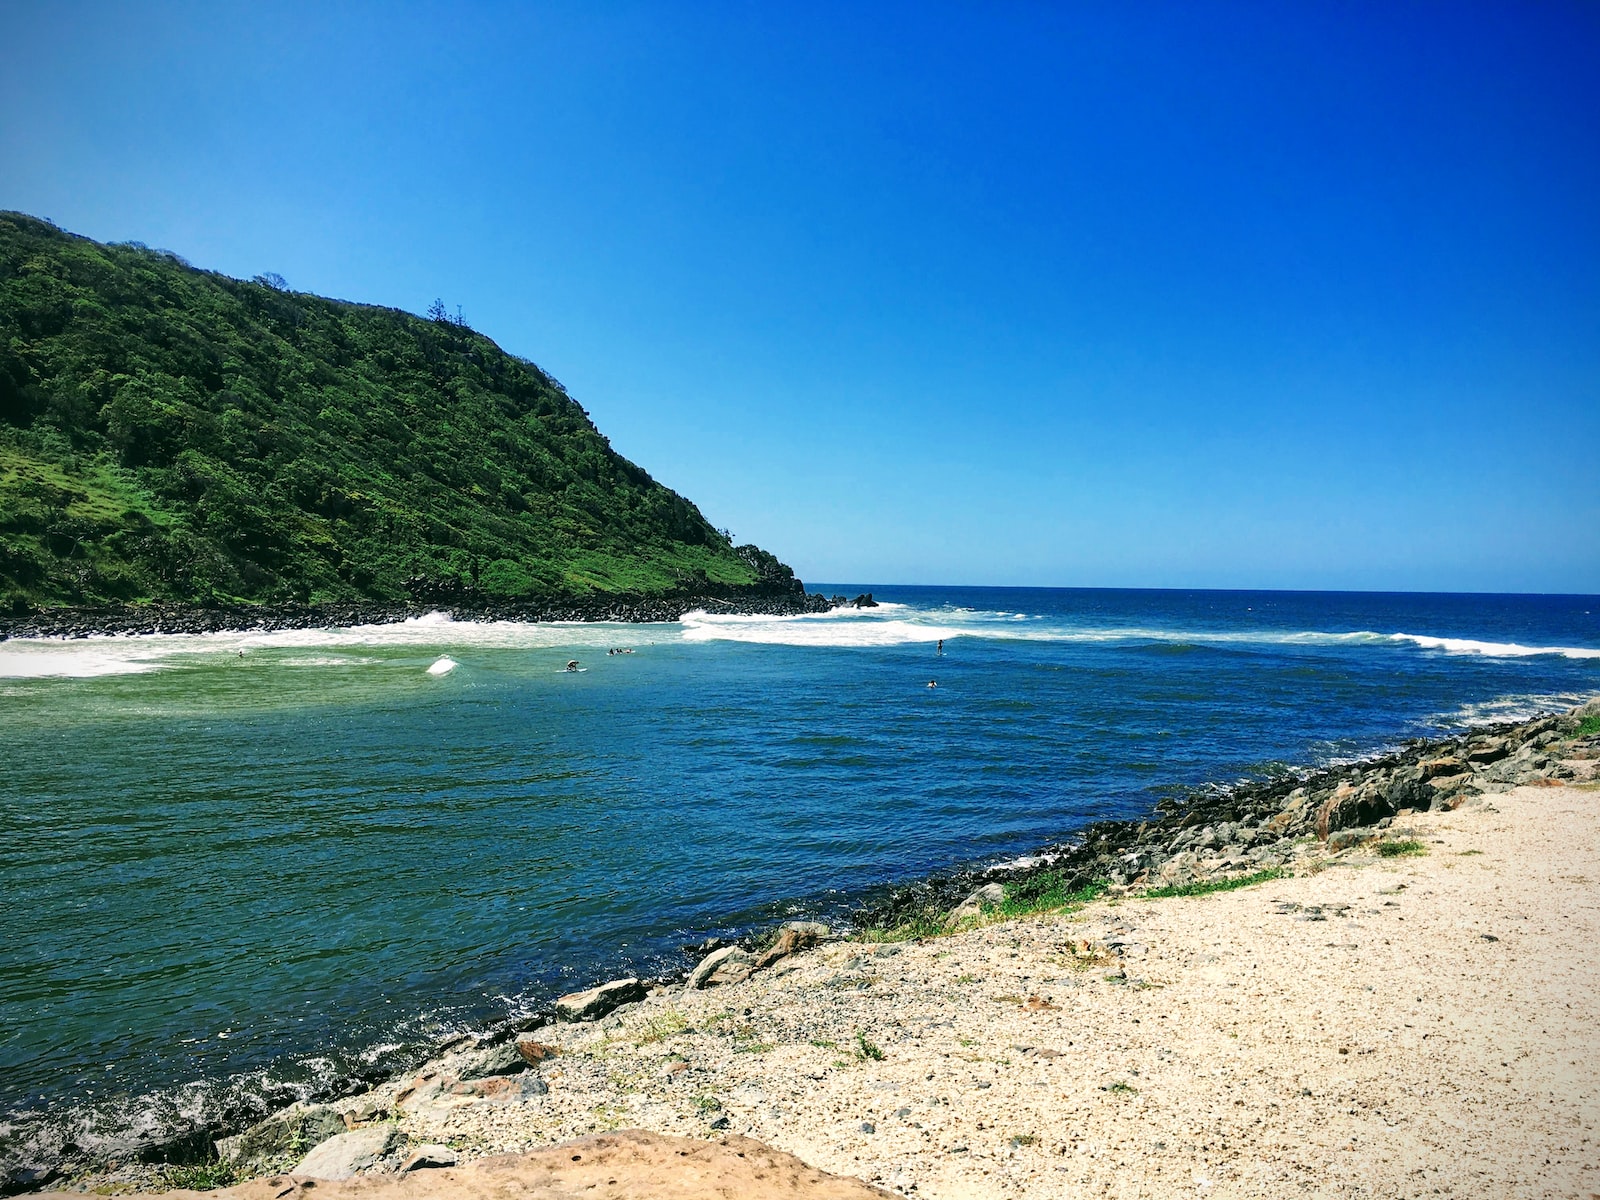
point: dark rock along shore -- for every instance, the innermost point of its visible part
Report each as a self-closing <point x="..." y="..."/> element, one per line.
<point x="626" y="609"/>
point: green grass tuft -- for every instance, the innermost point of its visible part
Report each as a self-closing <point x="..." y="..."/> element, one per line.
<point x="1588" y="727"/>
<point x="661" y="1027"/>
<point x="199" y="1177"/>
<point x="867" y="1050"/>
<point x="1402" y="849"/>
<point x="1047" y="891"/>
<point x="1206" y="886"/>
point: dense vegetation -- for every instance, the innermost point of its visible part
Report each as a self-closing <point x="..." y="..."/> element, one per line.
<point x="173" y="434"/>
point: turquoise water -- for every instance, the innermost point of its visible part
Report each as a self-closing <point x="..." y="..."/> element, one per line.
<point x="242" y="868"/>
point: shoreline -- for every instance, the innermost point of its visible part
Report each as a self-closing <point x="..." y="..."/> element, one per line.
<point x="1268" y="829"/>
<point x="134" y="620"/>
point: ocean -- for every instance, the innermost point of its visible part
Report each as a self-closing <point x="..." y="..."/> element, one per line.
<point x="243" y="868"/>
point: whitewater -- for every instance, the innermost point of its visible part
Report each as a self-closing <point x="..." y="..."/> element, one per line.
<point x="888" y="624"/>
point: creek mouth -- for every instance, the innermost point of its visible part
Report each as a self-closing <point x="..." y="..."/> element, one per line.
<point x="1288" y="804"/>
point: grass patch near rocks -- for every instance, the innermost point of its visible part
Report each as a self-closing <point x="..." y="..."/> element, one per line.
<point x="1588" y="727"/>
<point x="1204" y="887"/>
<point x="199" y="1177"/>
<point x="661" y="1027"/>
<point x="1047" y="891"/>
<point x="1044" y="892"/>
<point x="1408" y="848"/>
<point x="923" y="925"/>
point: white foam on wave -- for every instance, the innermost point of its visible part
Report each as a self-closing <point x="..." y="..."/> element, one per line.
<point x="1512" y="708"/>
<point x="840" y="627"/>
<point x="30" y="663"/>
<point x="443" y="665"/>
<point x="889" y="624"/>
<point x="1493" y="649"/>
<point x="125" y="654"/>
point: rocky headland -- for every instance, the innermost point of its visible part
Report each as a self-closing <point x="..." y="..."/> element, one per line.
<point x="223" y="618"/>
<point x="1371" y="979"/>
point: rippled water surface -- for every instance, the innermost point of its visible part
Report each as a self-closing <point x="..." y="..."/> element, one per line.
<point x="239" y="866"/>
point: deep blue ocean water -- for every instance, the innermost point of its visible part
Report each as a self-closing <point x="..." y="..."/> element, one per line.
<point x="238" y="867"/>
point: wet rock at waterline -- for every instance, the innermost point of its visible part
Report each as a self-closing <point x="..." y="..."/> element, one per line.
<point x="731" y="964"/>
<point x="595" y="1003"/>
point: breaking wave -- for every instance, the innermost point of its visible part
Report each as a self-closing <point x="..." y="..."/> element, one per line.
<point x="887" y="625"/>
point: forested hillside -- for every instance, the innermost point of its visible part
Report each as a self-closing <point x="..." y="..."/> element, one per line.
<point x="173" y="434"/>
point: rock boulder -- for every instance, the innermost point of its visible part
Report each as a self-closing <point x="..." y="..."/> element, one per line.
<point x="349" y="1153"/>
<point x="731" y="964"/>
<point x="598" y="1001"/>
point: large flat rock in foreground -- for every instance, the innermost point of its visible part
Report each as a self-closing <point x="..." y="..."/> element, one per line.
<point x="629" y="1165"/>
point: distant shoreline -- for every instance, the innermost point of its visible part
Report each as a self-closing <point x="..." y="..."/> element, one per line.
<point x="238" y="618"/>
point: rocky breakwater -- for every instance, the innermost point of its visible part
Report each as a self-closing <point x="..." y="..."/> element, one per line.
<point x="1268" y="825"/>
<point x="223" y="618"/>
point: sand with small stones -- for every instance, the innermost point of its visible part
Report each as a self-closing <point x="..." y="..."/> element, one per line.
<point x="1379" y="1027"/>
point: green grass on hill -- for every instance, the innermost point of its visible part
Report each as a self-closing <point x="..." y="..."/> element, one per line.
<point x="173" y="434"/>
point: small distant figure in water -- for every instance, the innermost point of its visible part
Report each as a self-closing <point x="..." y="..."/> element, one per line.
<point x="572" y="665"/>
<point x="610" y="652"/>
<point x="941" y="647"/>
<point x="933" y="683"/>
<point x="241" y="654"/>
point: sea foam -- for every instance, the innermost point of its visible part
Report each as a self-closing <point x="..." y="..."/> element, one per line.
<point x="1494" y="649"/>
<point x="887" y="625"/>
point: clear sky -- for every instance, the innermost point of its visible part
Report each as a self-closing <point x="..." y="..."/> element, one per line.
<point x="1274" y="294"/>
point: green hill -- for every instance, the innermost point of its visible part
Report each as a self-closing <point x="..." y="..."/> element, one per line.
<point x="170" y="434"/>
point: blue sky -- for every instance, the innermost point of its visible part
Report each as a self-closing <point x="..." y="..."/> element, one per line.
<point x="1276" y="295"/>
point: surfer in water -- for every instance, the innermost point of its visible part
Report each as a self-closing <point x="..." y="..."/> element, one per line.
<point x="572" y="664"/>
<point x="940" y="649"/>
<point x="933" y="683"/>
